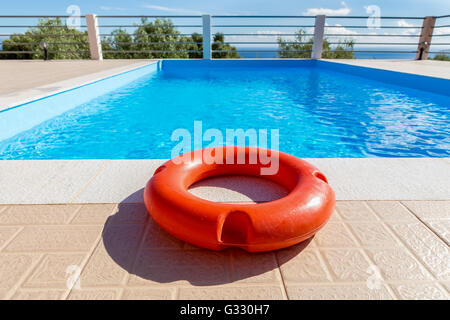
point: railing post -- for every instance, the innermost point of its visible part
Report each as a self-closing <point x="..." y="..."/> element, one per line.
<point x="319" y="28"/>
<point x="95" y="45"/>
<point x="425" y="38"/>
<point x="206" y="18"/>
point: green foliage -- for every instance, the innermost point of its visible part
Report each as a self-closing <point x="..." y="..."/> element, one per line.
<point x="65" y="43"/>
<point x="225" y="50"/>
<point x="151" y="39"/>
<point x="442" y="57"/>
<point x="301" y="47"/>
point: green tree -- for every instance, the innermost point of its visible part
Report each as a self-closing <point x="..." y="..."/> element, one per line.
<point x="301" y="47"/>
<point x="224" y="50"/>
<point x="115" y="45"/>
<point x="441" y="56"/>
<point x="64" y="42"/>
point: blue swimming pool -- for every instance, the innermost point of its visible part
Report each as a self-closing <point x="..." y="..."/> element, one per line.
<point x="320" y="110"/>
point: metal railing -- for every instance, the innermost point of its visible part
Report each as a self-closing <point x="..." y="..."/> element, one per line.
<point x="247" y="36"/>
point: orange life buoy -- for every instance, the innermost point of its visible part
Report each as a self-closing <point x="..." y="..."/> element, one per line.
<point x="252" y="227"/>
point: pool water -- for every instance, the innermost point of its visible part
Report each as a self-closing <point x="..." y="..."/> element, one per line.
<point x="318" y="112"/>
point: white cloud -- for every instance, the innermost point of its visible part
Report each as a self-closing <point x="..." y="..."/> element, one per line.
<point x="412" y="31"/>
<point x="172" y="10"/>
<point x="329" y="12"/>
<point x="107" y="8"/>
<point x="403" y="23"/>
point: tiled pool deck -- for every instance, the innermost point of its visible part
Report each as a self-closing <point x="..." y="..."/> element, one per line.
<point x="388" y="238"/>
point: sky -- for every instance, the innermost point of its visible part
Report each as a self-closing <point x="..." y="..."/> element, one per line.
<point x="280" y="7"/>
<point x="418" y="8"/>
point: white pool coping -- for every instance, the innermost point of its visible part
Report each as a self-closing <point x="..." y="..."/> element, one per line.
<point x="24" y="96"/>
<point x="115" y="181"/>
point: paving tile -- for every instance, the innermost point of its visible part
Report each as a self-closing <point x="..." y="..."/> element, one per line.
<point x="55" y="271"/>
<point x="427" y="247"/>
<point x="13" y="268"/>
<point x="113" y="258"/>
<point x="37" y="214"/>
<point x="373" y="234"/>
<point x="305" y="266"/>
<point x="334" y="235"/>
<point x="254" y="267"/>
<point x="26" y="294"/>
<point x="147" y="294"/>
<point x="398" y="264"/>
<point x="94" y="214"/>
<point x="93" y="294"/>
<point x="337" y="292"/>
<point x="429" y="209"/>
<point x="54" y="238"/>
<point x="441" y="228"/>
<point x="346" y="264"/>
<point x="355" y="211"/>
<point x="6" y="233"/>
<point x="156" y="238"/>
<point x="446" y="285"/>
<point x="266" y="292"/>
<point x="335" y="217"/>
<point x="197" y="267"/>
<point x="45" y="182"/>
<point x="420" y="291"/>
<point x="391" y="211"/>
<point x="130" y="213"/>
<point x="133" y="176"/>
<point x="102" y="270"/>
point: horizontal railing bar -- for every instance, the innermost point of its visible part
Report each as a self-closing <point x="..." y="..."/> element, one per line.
<point x="2" y="51"/>
<point x="43" y="35"/>
<point x="262" y="50"/>
<point x="36" y="26"/>
<point x="378" y="43"/>
<point x="159" y="43"/>
<point x="441" y="35"/>
<point x="43" y="16"/>
<point x="266" y="34"/>
<point x="259" y="16"/>
<point x="382" y="51"/>
<point x="371" y="35"/>
<point x="258" y="26"/>
<point x="155" y="16"/>
<point x="260" y="42"/>
<point x="280" y="50"/>
<point x="213" y="16"/>
<point x="367" y="17"/>
<point x="295" y="42"/>
<point x="446" y="16"/>
<point x="381" y="27"/>
<point x="140" y="25"/>
<point x="148" y="51"/>
<point x="311" y="17"/>
<point x="148" y="34"/>
<point x="36" y="43"/>
<point x="50" y="51"/>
